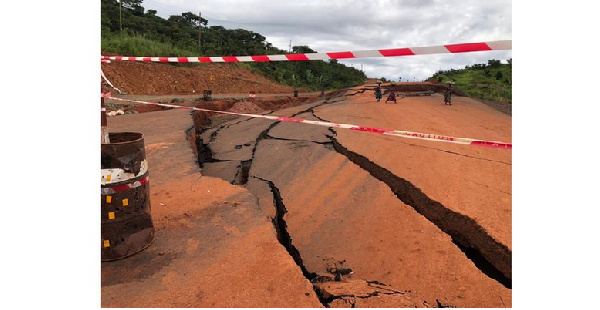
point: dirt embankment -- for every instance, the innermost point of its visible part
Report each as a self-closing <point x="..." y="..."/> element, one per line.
<point x="183" y="84"/>
<point x="146" y="78"/>
<point x="231" y="105"/>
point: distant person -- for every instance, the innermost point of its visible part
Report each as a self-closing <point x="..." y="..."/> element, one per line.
<point x="448" y="95"/>
<point x="378" y="92"/>
<point x="391" y="97"/>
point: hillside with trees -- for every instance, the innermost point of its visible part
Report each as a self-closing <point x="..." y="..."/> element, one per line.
<point x="491" y="81"/>
<point x="131" y="30"/>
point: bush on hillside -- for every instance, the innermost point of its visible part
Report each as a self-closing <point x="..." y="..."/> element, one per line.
<point x="491" y="81"/>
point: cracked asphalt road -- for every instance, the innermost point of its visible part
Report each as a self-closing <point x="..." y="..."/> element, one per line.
<point x="457" y="253"/>
<point x="317" y="212"/>
<point x="214" y="247"/>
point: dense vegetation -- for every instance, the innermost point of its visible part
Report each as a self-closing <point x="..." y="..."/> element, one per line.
<point x="137" y="32"/>
<point x="489" y="82"/>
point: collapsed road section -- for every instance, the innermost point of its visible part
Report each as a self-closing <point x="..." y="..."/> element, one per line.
<point x="211" y="236"/>
<point x="338" y="209"/>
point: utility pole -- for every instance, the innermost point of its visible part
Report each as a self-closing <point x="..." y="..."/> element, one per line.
<point x="290" y="46"/>
<point x="103" y="123"/>
<point x="200" y="32"/>
<point x="120" y="18"/>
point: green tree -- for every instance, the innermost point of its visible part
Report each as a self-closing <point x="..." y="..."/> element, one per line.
<point x="494" y="63"/>
<point x="134" y="5"/>
<point x="302" y="49"/>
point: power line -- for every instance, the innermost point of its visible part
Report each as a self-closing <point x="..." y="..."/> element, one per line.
<point x="120" y="18"/>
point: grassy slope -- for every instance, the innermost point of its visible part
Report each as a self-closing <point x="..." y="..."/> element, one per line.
<point x="481" y="81"/>
<point x="139" y="46"/>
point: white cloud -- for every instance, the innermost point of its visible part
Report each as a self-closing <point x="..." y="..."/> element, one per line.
<point x="334" y="25"/>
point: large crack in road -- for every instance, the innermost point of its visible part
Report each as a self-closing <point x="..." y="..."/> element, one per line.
<point x="491" y="257"/>
<point x="284" y="238"/>
<point x="241" y="177"/>
<point x="205" y="155"/>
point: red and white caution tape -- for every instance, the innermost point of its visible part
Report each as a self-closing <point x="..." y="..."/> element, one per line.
<point x="391" y="132"/>
<point x="393" y="52"/>
<point x="124" y="187"/>
<point x="107" y="81"/>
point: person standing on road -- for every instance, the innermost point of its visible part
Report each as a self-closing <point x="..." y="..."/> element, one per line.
<point x="378" y="92"/>
<point x="448" y="94"/>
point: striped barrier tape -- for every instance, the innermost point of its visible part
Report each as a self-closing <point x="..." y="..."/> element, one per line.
<point x="124" y="187"/>
<point x="394" y="52"/>
<point x="107" y="81"/>
<point x="390" y="132"/>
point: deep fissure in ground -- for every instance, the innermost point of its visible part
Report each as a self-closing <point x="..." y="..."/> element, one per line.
<point x="205" y="155"/>
<point x="491" y="257"/>
<point x="242" y="174"/>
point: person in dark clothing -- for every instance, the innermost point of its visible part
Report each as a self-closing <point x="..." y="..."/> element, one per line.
<point x="391" y="97"/>
<point x="378" y="92"/>
<point x="448" y="94"/>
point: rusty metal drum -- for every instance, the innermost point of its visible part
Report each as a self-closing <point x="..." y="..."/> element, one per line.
<point x="126" y="223"/>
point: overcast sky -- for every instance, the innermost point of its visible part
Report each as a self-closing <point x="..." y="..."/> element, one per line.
<point x="334" y="25"/>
